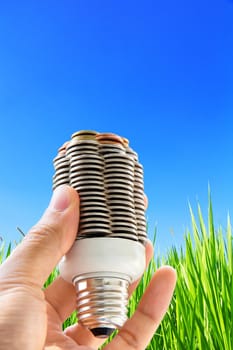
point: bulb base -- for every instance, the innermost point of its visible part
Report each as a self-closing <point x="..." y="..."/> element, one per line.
<point x="102" y="302"/>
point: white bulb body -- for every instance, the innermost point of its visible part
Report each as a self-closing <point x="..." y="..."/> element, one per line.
<point x="101" y="270"/>
<point x="104" y="255"/>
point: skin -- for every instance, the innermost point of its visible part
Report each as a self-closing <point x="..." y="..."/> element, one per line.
<point x="31" y="318"/>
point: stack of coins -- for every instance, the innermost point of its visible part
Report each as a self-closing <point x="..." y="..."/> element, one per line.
<point x="109" y="179"/>
<point x="61" y="165"/>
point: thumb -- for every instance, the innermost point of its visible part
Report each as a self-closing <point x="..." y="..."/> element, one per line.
<point x="42" y="248"/>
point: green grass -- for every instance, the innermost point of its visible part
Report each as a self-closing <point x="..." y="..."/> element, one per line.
<point x="200" y="316"/>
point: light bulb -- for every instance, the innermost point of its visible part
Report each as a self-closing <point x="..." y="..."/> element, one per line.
<point x="109" y="251"/>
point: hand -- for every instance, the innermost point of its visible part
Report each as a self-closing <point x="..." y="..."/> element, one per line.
<point x="31" y="318"/>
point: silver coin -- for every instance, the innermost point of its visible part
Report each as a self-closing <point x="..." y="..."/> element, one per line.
<point x="138" y="192"/>
<point x="95" y="230"/>
<point x="139" y="198"/>
<point x="85" y="182"/>
<point x="119" y="189"/>
<point x="61" y="163"/>
<point x="82" y="147"/>
<point x="121" y="207"/>
<point x="124" y="235"/>
<point x="138" y="179"/>
<point x="111" y="148"/>
<point x="119" y="194"/>
<point x="142" y="231"/>
<point x="117" y="202"/>
<point x="85" y="173"/>
<point x="95" y="195"/>
<point x="140" y="217"/>
<point x="88" y="175"/>
<point x="87" y="157"/>
<point x="102" y="214"/>
<point x="142" y="240"/>
<point x="124" y="229"/>
<point x="123" y="211"/>
<point x="112" y="175"/>
<point x="62" y="173"/>
<point x="91" y="206"/>
<point x="138" y="186"/>
<point x="123" y="168"/>
<point x="64" y="180"/>
<point x="115" y="180"/>
<point x="123" y="219"/>
<point x="122" y="225"/>
<point x="88" y="208"/>
<point x="132" y="153"/>
<point x="95" y="225"/>
<point x="89" y="182"/>
<point x="98" y="216"/>
<point x="119" y="186"/>
<point x="142" y="237"/>
<point x="59" y="183"/>
<point x="138" y="166"/>
<point x="140" y="208"/>
<point x="77" y="143"/>
<point x="87" y="167"/>
<point x="140" y="214"/>
<point x="87" y="187"/>
<point x="124" y="199"/>
<point x="84" y="162"/>
<point x="141" y="223"/>
<point x="118" y="179"/>
<point x="118" y="159"/>
<point x="90" y="187"/>
<point x="91" y="209"/>
<point x="59" y="157"/>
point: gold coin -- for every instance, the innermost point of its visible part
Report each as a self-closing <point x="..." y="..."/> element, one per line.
<point x="89" y="133"/>
<point x="109" y="138"/>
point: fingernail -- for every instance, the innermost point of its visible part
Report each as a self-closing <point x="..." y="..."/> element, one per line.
<point x="61" y="198"/>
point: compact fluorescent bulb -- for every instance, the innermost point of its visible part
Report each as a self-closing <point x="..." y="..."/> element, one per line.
<point x="109" y="251"/>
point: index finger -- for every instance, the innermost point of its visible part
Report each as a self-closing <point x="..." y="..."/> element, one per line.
<point x="138" y="331"/>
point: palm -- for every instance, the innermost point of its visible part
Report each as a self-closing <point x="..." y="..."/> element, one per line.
<point x="56" y="338"/>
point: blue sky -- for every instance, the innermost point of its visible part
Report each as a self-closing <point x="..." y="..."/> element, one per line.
<point x="157" y="72"/>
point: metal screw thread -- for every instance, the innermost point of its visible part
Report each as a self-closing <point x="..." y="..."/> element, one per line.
<point x="102" y="303"/>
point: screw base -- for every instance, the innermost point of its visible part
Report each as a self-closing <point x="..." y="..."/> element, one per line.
<point x="102" y="302"/>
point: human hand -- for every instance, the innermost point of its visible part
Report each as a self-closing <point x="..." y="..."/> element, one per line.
<point x="31" y="318"/>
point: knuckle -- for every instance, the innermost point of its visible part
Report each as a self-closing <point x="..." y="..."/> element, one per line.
<point x="45" y="233"/>
<point x="129" y="339"/>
